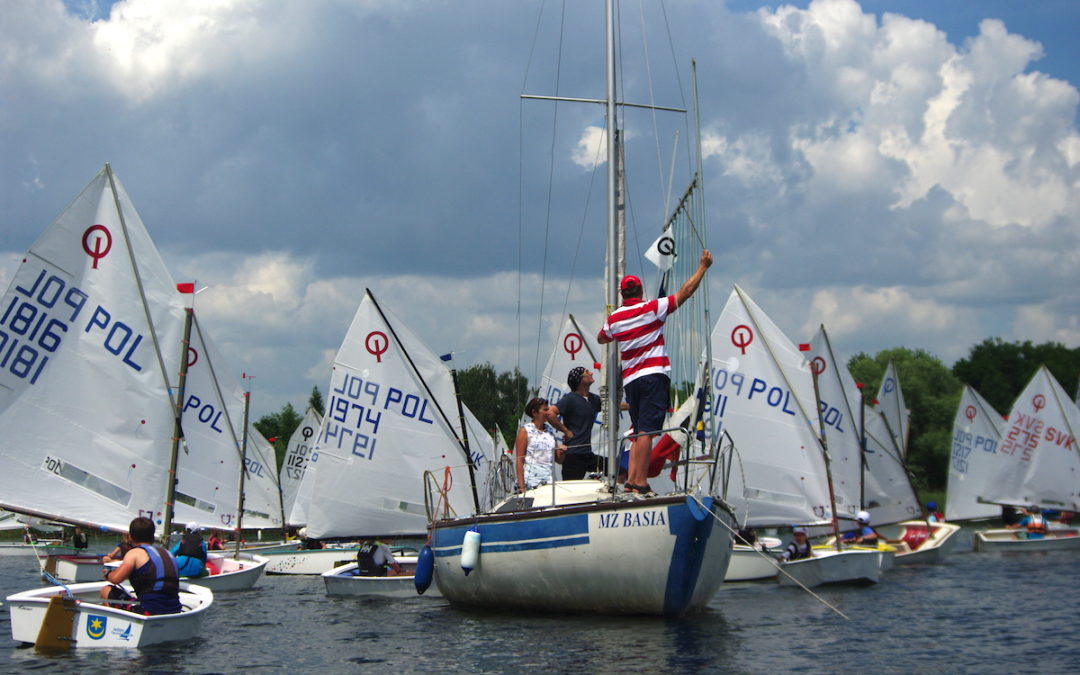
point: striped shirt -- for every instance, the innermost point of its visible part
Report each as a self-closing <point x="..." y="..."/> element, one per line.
<point x="638" y="326"/>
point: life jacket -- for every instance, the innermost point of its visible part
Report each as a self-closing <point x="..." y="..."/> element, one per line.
<point x="80" y="540"/>
<point x="157" y="583"/>
<point x="797" y="552"/>
<point x="191" y="546"/>
<point x="1036" y="524"/>
<point x="365" y="560"/>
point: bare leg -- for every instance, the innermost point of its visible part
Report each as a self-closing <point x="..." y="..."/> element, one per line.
<point x="639" y="460"/>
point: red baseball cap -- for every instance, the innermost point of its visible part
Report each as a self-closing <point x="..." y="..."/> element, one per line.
<point x="628" y="281"/>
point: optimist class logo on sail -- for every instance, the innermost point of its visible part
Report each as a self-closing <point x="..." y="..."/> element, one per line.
<point x="357" y="404"/>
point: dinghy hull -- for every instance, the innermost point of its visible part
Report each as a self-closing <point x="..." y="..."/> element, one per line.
<point x="95" y="626"/>
<point x="1058" y="539"/>
<point x="850" y="566"/>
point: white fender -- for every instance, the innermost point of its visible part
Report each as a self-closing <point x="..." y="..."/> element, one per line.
<point x="470" y="550"/>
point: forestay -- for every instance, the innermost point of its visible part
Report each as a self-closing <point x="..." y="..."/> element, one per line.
<point x="764" y="396"/>
<point x="391" y="416"/>
<point x="1039" y="459"/>
<point x="976" y="440"/>
<point x="90" y="332"/>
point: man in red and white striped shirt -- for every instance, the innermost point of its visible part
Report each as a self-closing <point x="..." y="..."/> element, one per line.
<point x="638" y="326"/>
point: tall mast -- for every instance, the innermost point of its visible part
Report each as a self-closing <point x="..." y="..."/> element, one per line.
<point x="178" y="431"/>
<point x="243" y="473"/>
<point x="611" y="291"/>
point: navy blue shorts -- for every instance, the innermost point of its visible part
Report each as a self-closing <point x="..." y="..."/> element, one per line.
<point x="648" y="398"/>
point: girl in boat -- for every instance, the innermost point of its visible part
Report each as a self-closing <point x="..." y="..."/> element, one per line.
<point x="535" y="446"/>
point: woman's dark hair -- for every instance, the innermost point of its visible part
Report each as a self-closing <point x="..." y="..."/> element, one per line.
<point x="533" y="405"/>
<point x="141" y="530"/>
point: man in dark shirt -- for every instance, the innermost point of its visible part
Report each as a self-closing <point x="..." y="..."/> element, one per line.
<point x="578" y="408"/>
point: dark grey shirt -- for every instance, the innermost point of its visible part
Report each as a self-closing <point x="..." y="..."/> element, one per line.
<point x="579" y="415"/>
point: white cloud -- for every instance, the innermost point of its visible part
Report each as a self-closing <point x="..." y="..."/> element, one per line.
<point x="591" y="148"/>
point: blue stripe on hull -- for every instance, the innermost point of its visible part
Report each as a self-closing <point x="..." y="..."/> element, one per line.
<point x="691" y="539"/>
<point x="517" y="535"/>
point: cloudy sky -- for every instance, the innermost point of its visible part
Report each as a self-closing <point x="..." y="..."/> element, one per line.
<point x="907" y="173"/>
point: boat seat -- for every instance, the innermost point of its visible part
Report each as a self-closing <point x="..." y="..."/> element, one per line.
<point x="213" y="566"/>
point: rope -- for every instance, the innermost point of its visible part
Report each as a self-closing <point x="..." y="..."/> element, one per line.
<point x="779" y="568"/>
<point x="56" y="582"/>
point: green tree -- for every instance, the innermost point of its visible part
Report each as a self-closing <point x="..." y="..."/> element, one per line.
<point x="931" y="393"/>
<point x="280" y="426"/>
<point x="316" y="400"/>
<point x="1000" y="370"/>
<point x="495" y="398"/>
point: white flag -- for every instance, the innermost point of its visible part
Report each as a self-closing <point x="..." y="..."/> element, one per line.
<point x="662" y="251"/>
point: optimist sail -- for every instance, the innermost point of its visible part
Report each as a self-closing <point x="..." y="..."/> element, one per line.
<point x="391" y="416"/>
<point x="209" y="464"/>
<point x="839" y="397"/>
<point x="90" y="329"/>
<point x="891" y="403"/>
<point x="1039" y="461"/>
<point x="295" y="465"/>
<point x="764" y="399"/>
<point x="976" y="441"/>
<point x="887" y="491"/>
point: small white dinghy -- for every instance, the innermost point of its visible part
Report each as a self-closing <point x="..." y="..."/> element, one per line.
<point x="1003" y="539"/>
<point x="308" y="561"/>
<point x="229" y="573"/>
<point x="75" y="568"/>
<point x="918" y="542"/>
<point x="346" y="580"/>
<point x="46" y="618"/>
<point x="829" y="566"/>
<point x="753" y="563"/>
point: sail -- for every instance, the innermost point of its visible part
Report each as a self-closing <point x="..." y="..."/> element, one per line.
<point x="90" y="329"/>
<point x="891" y="402"/>
<point x="297" y="456"/>
<point x="1039" y="461"/>
<point x="976" y="438"/>
<point x="764" y="396"/>
<point x="839" y="397"/>
<point x="887" y="491"/>
<point x="209" y="464"/>
<point x="391" y="416"/>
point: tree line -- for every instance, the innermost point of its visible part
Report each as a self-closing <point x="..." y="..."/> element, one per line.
<point x="996" y="369"/>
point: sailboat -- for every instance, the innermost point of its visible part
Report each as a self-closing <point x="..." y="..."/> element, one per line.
<point x="779" y="474"/>
<point x="890" y="399"/>
<point x="294" y="469"/>
<point x="90" y="330"/>
<point x="393" y="416"/>
<point x="885" y="488"/>
<point x="1039" y="465"/>
<point x="977" y="434"/>
<point x="580" y="545"/>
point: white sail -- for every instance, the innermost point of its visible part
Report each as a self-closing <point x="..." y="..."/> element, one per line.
<point x="1040" y="462"/>
<point x="391" y="416"/>
<point x="976" y="440"/>
<point x="296" y="461"/>
<point x="90" y="330"/>
<point x="764" y="398"/>
<point x="209" y="464"/>
<point x="891" y="403"/>
<point x="839" y="406"/>
<point x="887" y="491"/>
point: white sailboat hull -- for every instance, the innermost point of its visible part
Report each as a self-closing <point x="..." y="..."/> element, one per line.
<point x="40" y="550"/>
<point x="345" y="581"/>
<point x="750" y="563"/>
<point x="231" y="574"/>
<point x="96" y="626"/>
<point x="304" y="561"/>
<point x="1057" y="539"/>
<point x="850" y="566"/>
<point x="75" y="568"/>
<point x="664" y="555"/>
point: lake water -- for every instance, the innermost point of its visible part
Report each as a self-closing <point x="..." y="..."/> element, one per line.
<point x="973" y="613"/>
